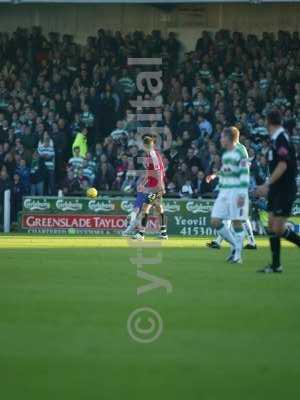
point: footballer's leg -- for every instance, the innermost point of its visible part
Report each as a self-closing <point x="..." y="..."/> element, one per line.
<point x="239" y="213"/>
<point x="218" y="240"/>
<point x="163" y="225"/>
<point x="280" y="208"/>
<point x="132" y="221"/>
<point x="226" y="234"/>
<point x="239" y="234"/>
<point x="160" y="210"/>
<point x="219" y="214"/>
<point x="251" y="245"/>
<point x="275" y="229"/>
<point x="138" y="205"/>
<point x="146" y="210"/>
<point x="216" y="243"/>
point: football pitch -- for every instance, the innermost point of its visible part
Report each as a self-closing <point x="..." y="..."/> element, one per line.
<point x="69" y="326"/>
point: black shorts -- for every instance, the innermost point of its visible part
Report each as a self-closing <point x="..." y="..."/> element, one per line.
<point x="155" y="199"/>
<point x="281" y="203"/>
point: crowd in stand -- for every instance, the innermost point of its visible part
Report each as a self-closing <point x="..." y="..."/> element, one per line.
<point x="66" y="121"/>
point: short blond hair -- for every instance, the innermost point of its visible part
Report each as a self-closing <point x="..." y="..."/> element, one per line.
<point x="235" y="134"/>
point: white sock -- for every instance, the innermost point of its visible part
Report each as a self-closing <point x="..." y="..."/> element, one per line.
<point x="133" y="216"/>
<point x="227" y="223"/>
<point x="239" y="239"/>
<point x="132" y="221"/>
<point x="227" y="235"/>
<point x="249" y="232"/>
<point x="218" y="240"/>
<point x="138" y="221"/>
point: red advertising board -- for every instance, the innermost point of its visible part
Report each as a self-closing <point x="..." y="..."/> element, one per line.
<point x="80" y="221"/>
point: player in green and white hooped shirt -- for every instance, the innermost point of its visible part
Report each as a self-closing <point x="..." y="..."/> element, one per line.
<point x="232" y="202"/>
<point x="246" y="225"/>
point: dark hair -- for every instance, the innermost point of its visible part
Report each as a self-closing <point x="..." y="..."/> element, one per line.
<point x="274" y="117"/>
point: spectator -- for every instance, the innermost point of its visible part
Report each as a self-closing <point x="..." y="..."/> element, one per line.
<point x="186" y="190"/>
<point x="23" y="173"/>
<point x="181" y="176"/>
<point x="87" y="117"/>
<point x="81" y="143"/>
<point x="191" y="159"/>
<point x="171" y="189"/>
<point x="80" y="96"/>
<point x="76" y="162"/>
<point x="9" y="162"/>
<point x="59" y="138"/>
<point x="119" y="134"/>
<point x="260" y="129"/>
<point x="47" y="154"/>
<point x="29" y="139"/>
<point x="200" y="185"/>
<point x="5" y="184"/>
<point x="88" y="172"/>
<point x="37" y="175"/>
<point x="17" y="193"/>
<point x="71" y="185"/>
<point x="205" y="127"/>
<point x="5" y="180"/>
<point x="105" y="176"/>
<point x="261" y="172"/>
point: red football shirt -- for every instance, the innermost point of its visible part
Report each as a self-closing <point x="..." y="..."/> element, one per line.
<point x="155" y="176"/>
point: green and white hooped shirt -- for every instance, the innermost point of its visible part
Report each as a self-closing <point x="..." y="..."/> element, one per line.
<point x="235" y="172"/>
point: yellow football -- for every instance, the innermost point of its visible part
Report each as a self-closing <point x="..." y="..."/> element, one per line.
<point x="92" y="193"/>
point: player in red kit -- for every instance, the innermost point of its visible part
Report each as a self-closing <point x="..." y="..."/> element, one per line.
<point x="154" y="187"/>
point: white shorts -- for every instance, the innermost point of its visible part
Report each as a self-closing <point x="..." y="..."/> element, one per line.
<point x="226" y="207"/>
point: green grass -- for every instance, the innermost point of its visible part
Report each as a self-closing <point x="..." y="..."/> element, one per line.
<point x="229" y="333"/>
